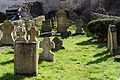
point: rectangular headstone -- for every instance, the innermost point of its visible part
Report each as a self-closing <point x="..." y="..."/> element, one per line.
<point x="26" y="58"/>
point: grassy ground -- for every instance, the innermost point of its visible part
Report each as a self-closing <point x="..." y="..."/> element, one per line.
<point x="82" y="59"/>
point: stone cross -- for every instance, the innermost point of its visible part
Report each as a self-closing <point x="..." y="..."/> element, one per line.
<point x="33" y="32"/>
<point x="21" y="35"/>
<point x="47" y="54"/>
<point x="112" y="40"/>
<point x="7" y="29"/>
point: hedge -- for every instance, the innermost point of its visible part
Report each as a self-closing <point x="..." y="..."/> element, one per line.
<point x="100" y="27"/>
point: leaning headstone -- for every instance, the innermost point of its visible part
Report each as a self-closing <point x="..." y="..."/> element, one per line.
<point x="112" y="40"/>
<point x="58" y="44"/>
<point x="26" y="55"/>
<point x="79" y="25"/>
<point x="7" y="29"/>
<point x="46" y="26"/>
<point x="47" y="54"/>
<point x="61" y="21"/>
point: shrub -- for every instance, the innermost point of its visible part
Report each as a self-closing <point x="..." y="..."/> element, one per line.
<point x="100" y="27"/>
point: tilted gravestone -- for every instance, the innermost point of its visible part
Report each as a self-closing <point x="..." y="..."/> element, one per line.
<point x="46" y="26"/>
<point x="112" y="40"/>
<point x="61" y="21"/>
<point x="79" y="25"/>
<point x="58" y="44"/>
<point x="7" y="29"/>
<point x="26" y="55"/>
<point x="47" y="54"/>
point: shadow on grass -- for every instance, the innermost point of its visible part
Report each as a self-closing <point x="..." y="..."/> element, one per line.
<point x="101" y="54"/>
<point x="7" y="62"/>
<point x="10" y="52"/>
<point x="90" y="42"/>
<point x="101" y="59"/>
<point x="10" y="76"/>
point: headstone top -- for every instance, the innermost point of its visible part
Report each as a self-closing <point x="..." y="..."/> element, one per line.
<point x="113" y="28"/>
<point x="47" y="43"/>
<point x="21" y="35"/>
<point x="33" y="32"/>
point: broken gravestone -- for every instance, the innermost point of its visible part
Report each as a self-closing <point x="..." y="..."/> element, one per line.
<point x="26" y="55"/>
<point x="7" y="29"/>
<point x="47" y="54"/>
<point x="58" y="44"/>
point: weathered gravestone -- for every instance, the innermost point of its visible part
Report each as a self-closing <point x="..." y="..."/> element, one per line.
<point x="47" y="54"/>
<point x="79" y="25"/>
<point x="61" y="21"/>
<point x="33" y="32"/>
<point x="17" y="24"/>
<point x="46" y="26"/>
<point x="7" y="29"/>
<point x="112" y="40"/>
<point x="58" y="44"/>
<point x="21" y="34"/>
<point x="26" y="55"/>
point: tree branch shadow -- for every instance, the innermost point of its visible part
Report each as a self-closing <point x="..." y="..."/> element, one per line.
<point x="7" y="62"/>
<point x="101" y="59"/>
<point x="90" y="42"/>
<point x="101" y="54"/>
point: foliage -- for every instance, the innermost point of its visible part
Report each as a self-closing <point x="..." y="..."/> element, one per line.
<point x="100" y="27"/>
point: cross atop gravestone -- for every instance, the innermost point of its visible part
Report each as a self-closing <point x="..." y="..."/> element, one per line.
<point x="47" y="45"/>
<point x="7" y="29"/>
<point x="21" y="35"/>
<point x="33" y="32"/>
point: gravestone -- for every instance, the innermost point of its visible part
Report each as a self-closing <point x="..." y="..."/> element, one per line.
<point x="21" y="34"/>
<point x="112" y="40"/>
<point x="47" y="54"/>
<point x="58" y="44"/>
<point x="46" y="26"/>
<point x="33" y="32"/>
<point x="61" y="21"/>
<point x="26" y="55"/>
<point x="79" y="25"/>
<point x="7" y="29"/>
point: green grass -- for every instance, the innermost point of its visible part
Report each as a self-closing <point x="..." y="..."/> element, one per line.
<point x="82" y="59"/>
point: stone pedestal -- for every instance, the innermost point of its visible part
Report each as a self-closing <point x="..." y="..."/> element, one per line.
<point x="26" y="58"/>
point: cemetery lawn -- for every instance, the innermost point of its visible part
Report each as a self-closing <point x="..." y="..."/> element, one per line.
<point x="82" y="59"/>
